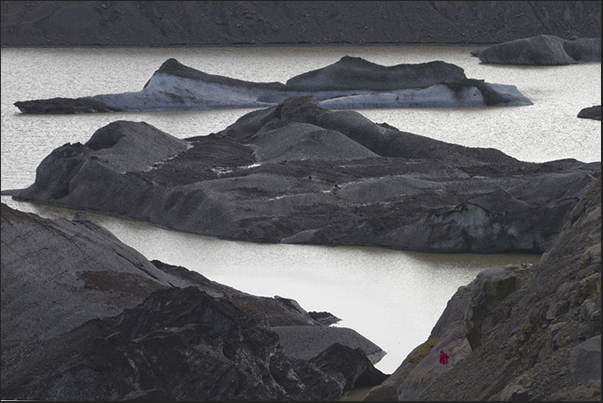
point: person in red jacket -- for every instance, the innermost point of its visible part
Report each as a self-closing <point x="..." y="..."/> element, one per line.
<point x="444" y="360"/>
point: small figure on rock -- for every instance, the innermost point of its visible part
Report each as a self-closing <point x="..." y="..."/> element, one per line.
<point x="444" y="360"/>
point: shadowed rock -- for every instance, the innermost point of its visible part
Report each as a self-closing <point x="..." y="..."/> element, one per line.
<point x="352" y="82"/>
<point x="593" y="112"/>
<point x="527" y="332"/>
<point x="355" y="73"/>
<point x="542" y="50"/>
<point x="299" y="173"/>
<point x="188" y="346"/>
<point x="85" y="317"/>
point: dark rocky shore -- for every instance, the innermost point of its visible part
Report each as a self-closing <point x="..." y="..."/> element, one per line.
<point x="518" y="332"/>
<point x="85" y="317"/>
<point x="257" y="23"/>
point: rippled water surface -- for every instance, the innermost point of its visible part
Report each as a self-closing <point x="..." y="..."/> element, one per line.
<point x="394" y="298"/>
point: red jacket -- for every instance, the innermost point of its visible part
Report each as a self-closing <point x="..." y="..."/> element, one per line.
<point x="444" y="358"/>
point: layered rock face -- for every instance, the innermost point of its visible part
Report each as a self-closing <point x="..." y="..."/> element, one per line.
<point x="244" y="23"/>
<point x="299" y="173"/>
<point x="518" y="332"/>
<point x="542" y="50"/>
<point x="350" y="83"/>
<point x="85" y="317"/>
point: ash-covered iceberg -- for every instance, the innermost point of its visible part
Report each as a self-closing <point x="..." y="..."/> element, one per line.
<point x="350" y="83"/>
<point x="299" y="173"/>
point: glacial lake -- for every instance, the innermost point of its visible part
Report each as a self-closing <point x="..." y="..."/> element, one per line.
<point x="393" y="298"/>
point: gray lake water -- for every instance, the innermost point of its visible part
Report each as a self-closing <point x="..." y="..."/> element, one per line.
<point x="394" y="298"/>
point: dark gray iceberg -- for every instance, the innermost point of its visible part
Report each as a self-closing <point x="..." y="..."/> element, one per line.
<point x="542" y="50"/>
<point x="350" y="83"/>
<point x="299" y="173"/>
<point x="592" y="112"/>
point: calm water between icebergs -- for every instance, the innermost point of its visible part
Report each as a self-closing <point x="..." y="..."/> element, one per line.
<point x="393" y="298"/>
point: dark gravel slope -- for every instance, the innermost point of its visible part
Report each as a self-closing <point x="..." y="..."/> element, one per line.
<point x="252" y="23"/>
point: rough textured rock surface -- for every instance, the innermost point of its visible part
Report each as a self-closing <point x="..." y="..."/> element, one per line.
<point x="352" y="82"/>
<point x="247" y="23"/>
<point x="299" y="173"/>
<point x="85" y="317"/>
<point x="518" y="333"/>
<point x="542" y="50"/>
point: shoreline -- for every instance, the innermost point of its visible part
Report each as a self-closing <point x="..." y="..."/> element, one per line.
<point x="264" y="45"/>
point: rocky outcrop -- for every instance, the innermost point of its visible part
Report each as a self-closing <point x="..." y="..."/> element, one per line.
<point x="530" y="332"/>
<point x="244" y="23"/>
<point x="593" y="112"/>
<point x="299" y="173"/>
<point x="85" y="317"/>
<point x="352" y="82"/>
<point x="542" y="50"/>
